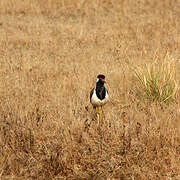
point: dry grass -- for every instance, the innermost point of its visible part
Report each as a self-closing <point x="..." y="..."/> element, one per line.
<point x="156" y="81"/>
<point x="51" y="52"/>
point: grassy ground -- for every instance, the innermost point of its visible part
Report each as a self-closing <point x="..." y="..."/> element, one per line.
<point x="51" y="52"/>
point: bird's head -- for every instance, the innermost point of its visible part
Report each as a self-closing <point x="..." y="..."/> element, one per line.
<point x="101" y="78"/>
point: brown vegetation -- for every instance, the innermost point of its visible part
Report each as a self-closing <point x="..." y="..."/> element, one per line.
<point x="51" y="52"/>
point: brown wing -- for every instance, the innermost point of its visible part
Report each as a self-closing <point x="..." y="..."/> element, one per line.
<point x="91" y="93"/>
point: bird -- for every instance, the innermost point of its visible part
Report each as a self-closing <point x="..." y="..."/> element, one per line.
<point x="99" y="96"/>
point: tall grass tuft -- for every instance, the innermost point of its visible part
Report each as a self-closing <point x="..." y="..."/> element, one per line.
<point x="156" y="81"/>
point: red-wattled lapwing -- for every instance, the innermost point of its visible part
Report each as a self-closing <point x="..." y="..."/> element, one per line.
<point x="99" y="96"/>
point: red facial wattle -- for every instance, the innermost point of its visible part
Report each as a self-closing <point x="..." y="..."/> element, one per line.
<point x="102" y="79"/>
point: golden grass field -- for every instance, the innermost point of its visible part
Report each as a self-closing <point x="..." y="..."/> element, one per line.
<point x="50" y="54"/>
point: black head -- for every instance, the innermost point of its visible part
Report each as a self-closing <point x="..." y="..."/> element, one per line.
<point x="101" y="78"/>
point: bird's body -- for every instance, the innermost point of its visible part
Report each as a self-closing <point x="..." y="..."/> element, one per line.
<point x="99" y="95"/>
